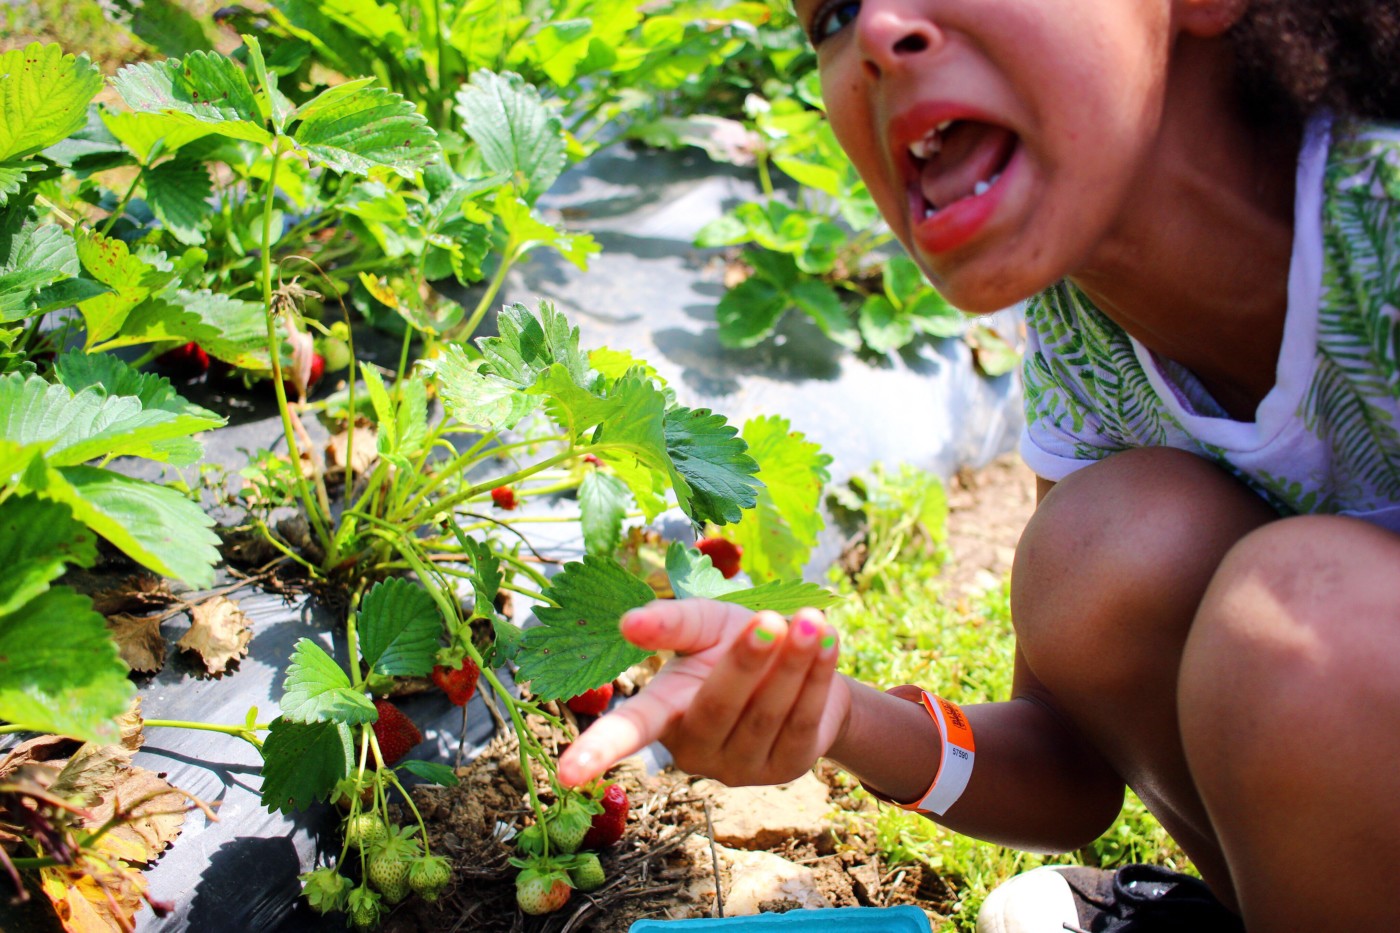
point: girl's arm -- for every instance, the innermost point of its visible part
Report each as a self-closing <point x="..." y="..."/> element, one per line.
<point x="1036" y="784"/>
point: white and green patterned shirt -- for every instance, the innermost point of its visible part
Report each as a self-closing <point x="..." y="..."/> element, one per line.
<point x="1327" y="436"/>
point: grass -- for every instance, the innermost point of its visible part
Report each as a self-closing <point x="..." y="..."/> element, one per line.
<point x="897" y="627"/>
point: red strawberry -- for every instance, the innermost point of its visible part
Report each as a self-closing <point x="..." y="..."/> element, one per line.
<point x="504" y="497"/>
<point x="592" y="702"/>
<point x="395" y="732"/>
<point x="541" y="893"/>
<point x="608" y="826"/>
<point x="318" y="369"/>
<point x="185" y="362"/>
<point x="459" y="683"/>
<point x="723" y="553"/>
<point x="593" y="459"/>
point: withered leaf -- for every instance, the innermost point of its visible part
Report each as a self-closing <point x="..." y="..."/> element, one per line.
<point x="365" y="451"/>
<point x="139" y="640"/>
<point x="104" y="779"/>
<point x="96" y="896"/>
<point x="219" y="633"/>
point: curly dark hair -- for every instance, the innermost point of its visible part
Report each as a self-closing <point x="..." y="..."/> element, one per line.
<point x="1298" y="56"/>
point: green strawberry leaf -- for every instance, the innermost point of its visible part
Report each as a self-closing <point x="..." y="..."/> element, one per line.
<point x="12" y="176"/>
<point x="579" y="646"/>
<point x="720" y="474"/>
<point x="112" y="376"/>
<point x="819" y="301"/>
<point x="635" y="443"/>
<point x="602" y="502"/>
<point x="153" y="525"/>
<point x="366" y="129"/>
<point x="231" y="330"/>
<point x="529" y="344"/>
<point x="932" y="315"/>
<point x="783" y="597"/>
<point x="59" y="669"/>
<point x="486" y="575"/>
<point x="779" y="532"/>
<point x="400" y="628"/>
<point x="202" y="88"/>
<point x="317" y="690"/>
<point x="38" y="541"/>
<point x="44" y="95"/>
<point x="748" y="312"/>
<point x="692" y="574"/>
<point x="430" y="771"/>
<point x="35" y="265"/>
<point x="477" y="399"/>
<point x="883" y="326"/>
<point x="79" y="427"/>
<point x="303" y="762"/>
<point x="517" y="134"/>
<point x="177" y="191"/>
<point x="141" y="132"/>
<point x="129" y="280"/>
<point x="530" y="232"/>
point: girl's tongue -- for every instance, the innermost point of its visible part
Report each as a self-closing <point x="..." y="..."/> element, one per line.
<point x="969" y="153"/>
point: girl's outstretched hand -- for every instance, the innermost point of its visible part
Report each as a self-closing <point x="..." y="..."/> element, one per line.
<point x="750" y="698"/>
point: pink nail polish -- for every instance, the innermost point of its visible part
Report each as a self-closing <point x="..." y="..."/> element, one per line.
<point x="806" y="628"/>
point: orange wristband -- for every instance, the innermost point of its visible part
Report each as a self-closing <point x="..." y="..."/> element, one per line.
<point x="955" y="764"/>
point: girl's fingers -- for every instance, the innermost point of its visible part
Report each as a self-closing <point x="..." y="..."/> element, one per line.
<point x="627" y="729"/>
<point x="802" y="733"/>
<point x="685" y="626"/>
<point x="730" y="686"/>
<point x="763" y="721"/>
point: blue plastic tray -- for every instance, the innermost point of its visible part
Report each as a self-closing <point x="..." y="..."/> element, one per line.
<point x="905" y="919"/>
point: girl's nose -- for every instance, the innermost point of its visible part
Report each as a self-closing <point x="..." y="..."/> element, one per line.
<point x="892" y="33"/>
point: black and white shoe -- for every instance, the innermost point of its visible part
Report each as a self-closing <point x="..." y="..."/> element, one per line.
<point x="1076" y="899"/>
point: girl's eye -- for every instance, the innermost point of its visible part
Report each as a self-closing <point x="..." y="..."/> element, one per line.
<point x="831" y="18"/>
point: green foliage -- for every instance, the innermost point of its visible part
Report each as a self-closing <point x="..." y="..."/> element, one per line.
<point x="400" y="628"/>
<point x="578" y="646"/>
<point x="303" y="762"/>
<point x="59" y="670"/>
<point x="779" y="532"/>
<point x="317" y="690"/>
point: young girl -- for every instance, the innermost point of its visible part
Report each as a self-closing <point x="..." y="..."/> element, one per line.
<point x="1205" y="214"/>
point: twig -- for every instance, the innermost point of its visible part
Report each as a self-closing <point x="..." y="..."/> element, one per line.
<point x="714" y="859"/>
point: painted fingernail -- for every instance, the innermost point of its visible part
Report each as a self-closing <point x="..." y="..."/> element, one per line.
<point x="829" y="643"/>
<point x="806" y="629"/>
<point x="762" y="638"/>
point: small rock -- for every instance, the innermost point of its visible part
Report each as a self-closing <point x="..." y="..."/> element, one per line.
<point x="752" y="880"/>
<point x="768" y="817"/>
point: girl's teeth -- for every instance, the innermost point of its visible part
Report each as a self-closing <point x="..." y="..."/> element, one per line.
<point x="929" y="146"/>
<point x="980" y="188"/>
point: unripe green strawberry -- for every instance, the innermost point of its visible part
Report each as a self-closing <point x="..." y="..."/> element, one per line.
<point x="541" y="892"/>
<point x="365" y="831"/>
<point x="365" y="909"/>
<point x="427" y="876"/>
<point x="587" y="872"/>
<point x="326" y="890"/>
<point x="387" y="869"/>
<point x="568" y="821"/>
<point x="389" y="876"/>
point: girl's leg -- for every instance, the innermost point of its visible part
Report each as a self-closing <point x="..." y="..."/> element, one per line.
<point x="1108" y="578"/>
<point x="1290" y="713"/>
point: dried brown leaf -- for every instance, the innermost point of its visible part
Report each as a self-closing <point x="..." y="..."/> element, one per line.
<point x="97" y="895"/>
<point x="219" y="633"/>
<point x="366" y="448"/>
<point x="139" y="640"/>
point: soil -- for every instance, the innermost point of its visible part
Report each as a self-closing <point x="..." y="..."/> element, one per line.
<point x="665" y="866"/>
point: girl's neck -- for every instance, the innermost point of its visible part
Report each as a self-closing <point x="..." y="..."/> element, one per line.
<point x="1197" y="269"/>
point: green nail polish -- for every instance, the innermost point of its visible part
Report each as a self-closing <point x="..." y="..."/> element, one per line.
<point x="828" y="641"/>
<point x="763" y="635"/>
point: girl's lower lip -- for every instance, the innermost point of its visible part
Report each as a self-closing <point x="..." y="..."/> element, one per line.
<point x="960" y="221"/>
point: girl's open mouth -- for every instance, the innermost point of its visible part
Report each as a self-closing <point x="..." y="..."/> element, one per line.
<point x="958" y="164"/>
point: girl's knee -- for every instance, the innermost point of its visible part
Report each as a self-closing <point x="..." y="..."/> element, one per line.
<point x="1112" y="564"/>
<point x="1300" y="626"/>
